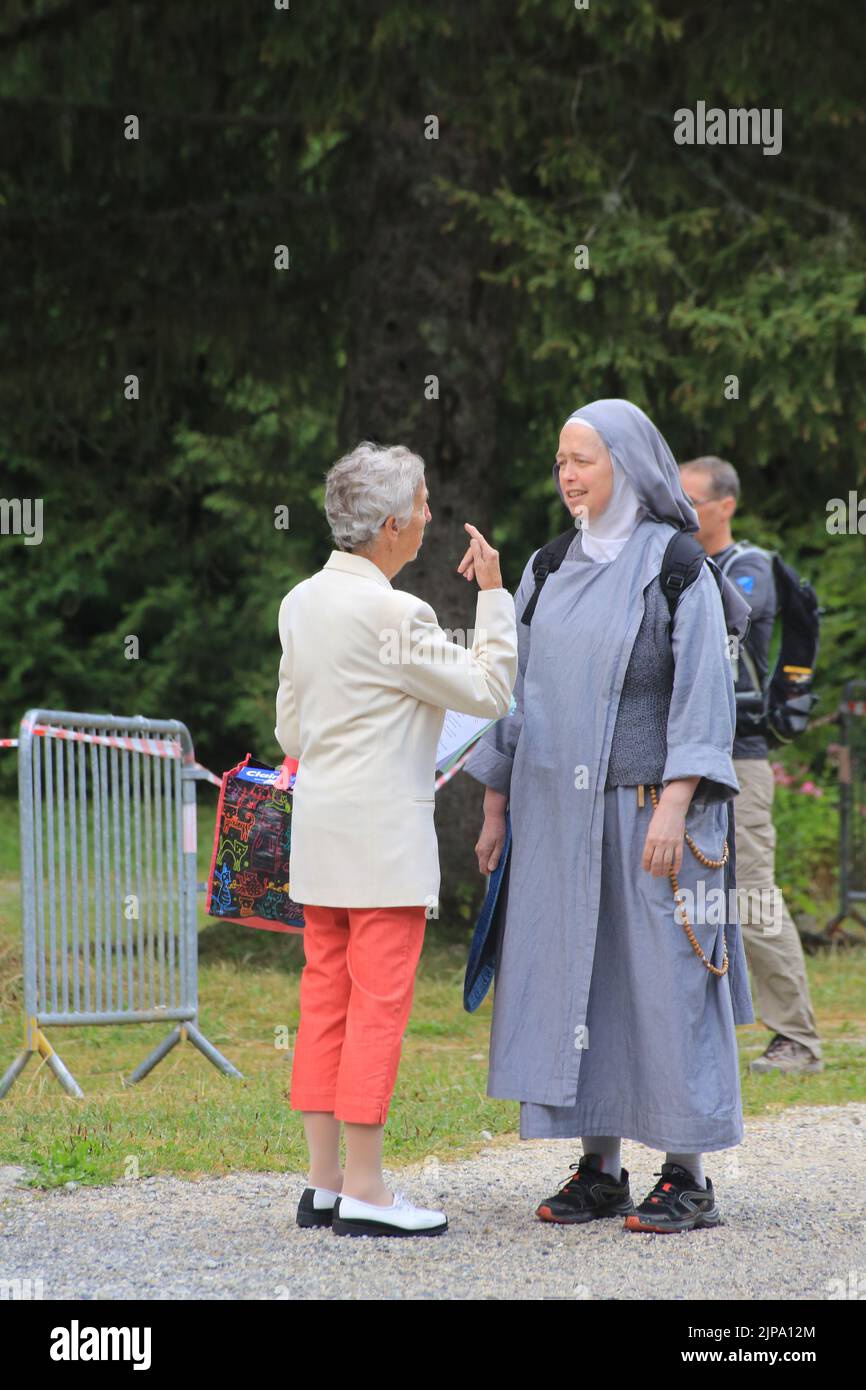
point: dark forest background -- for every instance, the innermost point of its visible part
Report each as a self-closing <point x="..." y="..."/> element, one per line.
<point x="409" y="257"/>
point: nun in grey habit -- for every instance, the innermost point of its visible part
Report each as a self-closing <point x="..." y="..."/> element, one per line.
<point x="605" y="1021"/>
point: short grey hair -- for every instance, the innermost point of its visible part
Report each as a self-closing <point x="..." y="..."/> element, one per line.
<point x="368" y="485"/>
<point x="724" y="479"/>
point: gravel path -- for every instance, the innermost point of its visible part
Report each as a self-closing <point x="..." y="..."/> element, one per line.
<point x="793" y="1198"/>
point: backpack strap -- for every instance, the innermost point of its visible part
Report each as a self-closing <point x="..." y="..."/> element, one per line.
<point x="681" y="564"/>
<point x="758" y="690"/>
<point x="747" y="548"/>
<point x="547" y="561"/>
<point x="737" y="549"/>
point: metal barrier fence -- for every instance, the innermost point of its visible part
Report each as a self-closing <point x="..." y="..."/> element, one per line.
<point x="851" y="754"/>
<point x="108" y="881"/>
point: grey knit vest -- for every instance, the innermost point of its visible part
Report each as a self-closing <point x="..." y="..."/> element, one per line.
<point x="638" y="751"/>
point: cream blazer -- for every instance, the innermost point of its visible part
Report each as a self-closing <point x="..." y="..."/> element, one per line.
<point x="365" y="677"/>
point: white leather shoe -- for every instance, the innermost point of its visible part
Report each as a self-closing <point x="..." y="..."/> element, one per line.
<point x="352" y="1217"/>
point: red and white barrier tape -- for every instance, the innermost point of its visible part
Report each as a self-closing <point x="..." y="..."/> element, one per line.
<point x="207" y="775"/>
<point x="165" y="748"/>
<point x="151" y="747"/>
<point x="446" y="776"/>
<point x="155" y="747"/>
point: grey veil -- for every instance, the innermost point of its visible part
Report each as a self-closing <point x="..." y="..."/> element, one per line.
<point x="643" y="454"/>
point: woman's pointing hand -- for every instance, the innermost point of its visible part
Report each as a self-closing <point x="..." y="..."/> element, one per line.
<point x="481" y="561"/>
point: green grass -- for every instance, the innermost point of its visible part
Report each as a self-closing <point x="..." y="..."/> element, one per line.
<point x="186" y="1118"/>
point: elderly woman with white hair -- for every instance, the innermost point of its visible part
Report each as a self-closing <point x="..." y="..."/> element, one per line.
<point x="365" y="678"/>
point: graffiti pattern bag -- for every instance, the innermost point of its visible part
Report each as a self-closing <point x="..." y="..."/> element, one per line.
<point x="249" y="874"/>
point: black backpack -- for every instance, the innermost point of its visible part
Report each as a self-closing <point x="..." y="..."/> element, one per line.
<point x="781" y="711"/>
<point x="681" y="565"/>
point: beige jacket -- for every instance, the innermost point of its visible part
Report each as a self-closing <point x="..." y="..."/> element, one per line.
<point x="365" y="678"/>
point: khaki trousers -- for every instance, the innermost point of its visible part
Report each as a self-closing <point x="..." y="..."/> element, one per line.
<point x="772" y="943"/>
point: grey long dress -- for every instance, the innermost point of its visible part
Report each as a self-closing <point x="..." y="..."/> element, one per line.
<point x="604" y="1019"/>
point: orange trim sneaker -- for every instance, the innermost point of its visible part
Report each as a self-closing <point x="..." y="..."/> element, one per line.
<point x="676" y="1203"/>
<point x="589" y="1195"/>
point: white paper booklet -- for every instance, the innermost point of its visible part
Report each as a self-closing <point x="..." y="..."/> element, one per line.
<point x="458" y="731"/>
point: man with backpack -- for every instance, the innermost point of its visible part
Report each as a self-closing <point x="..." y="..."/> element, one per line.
<point x="773" y="947"/>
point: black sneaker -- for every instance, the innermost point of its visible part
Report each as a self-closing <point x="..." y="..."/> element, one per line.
<point x="311" y="1215"/>
<point x="676" y="1203"/>
<point x="590" y="1194"/>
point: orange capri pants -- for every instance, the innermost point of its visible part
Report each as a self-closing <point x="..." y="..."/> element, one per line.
<point x="356" y="997"/>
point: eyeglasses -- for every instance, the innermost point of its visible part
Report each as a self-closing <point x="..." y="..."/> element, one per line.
<point x="700" y="501"/>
